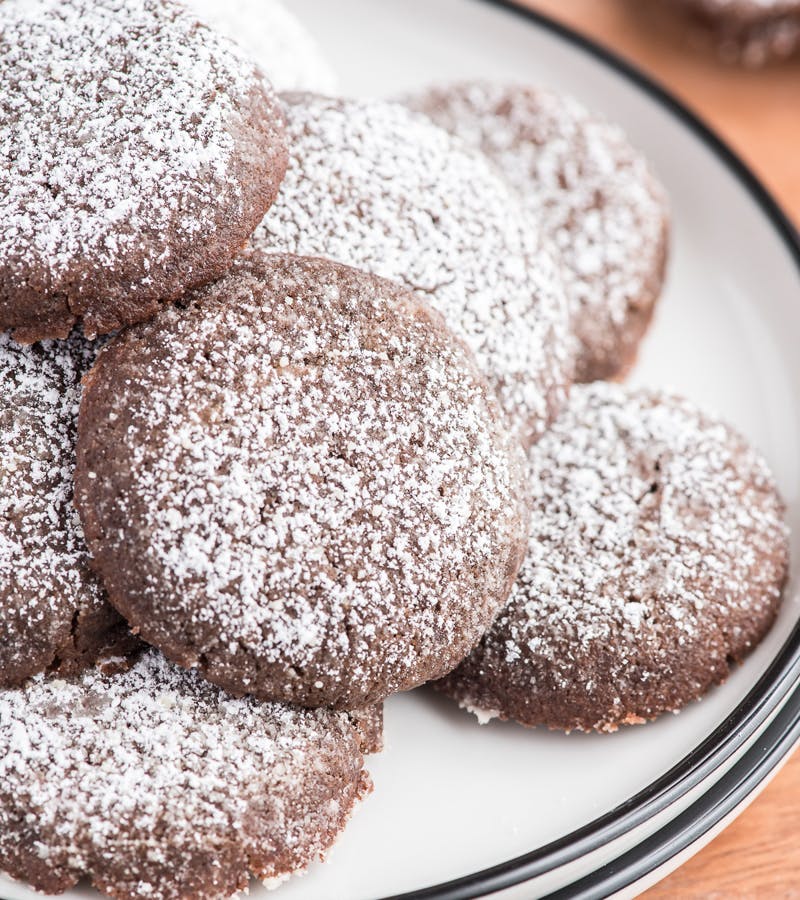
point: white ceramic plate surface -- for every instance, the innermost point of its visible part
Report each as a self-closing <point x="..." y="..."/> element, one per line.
<point x="452" y="797"/>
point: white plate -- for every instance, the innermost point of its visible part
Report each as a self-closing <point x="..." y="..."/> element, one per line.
<point x="453" y="798"/>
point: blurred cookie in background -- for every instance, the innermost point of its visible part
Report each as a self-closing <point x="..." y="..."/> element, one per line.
<point x="750" y="32"/>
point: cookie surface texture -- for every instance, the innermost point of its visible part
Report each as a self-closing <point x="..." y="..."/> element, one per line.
<point x="53" y="611"/>
<point x="138" y="151"/>
<point x="157" y="785"/>
<point x="657" y="557"/>
<point x="594" y="195"/>
<point x="301" y="484"/>
<point x="376" y="187"/>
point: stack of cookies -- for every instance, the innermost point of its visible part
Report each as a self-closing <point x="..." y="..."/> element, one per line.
<point x="305" y="401"/>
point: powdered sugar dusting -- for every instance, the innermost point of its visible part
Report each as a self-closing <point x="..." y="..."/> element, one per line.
<point x="322" y="504"/>
<point x="118" y="139"/>
<point x="44" y="575"/>
<point x="657" y="536"/>
<point x="656" y="490"/>
<point x="276" y="40"/>
<point x="594" y="193"/>
<point x="373" y="186"/>
<point x="156" y="783"/>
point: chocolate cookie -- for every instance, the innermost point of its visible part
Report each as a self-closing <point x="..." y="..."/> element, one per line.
<point x="287" y="54"/>
<point x="138" y="151"/>
<point x="595" y="195"/>
<point x="157" y="785"/>
<point x="301" y="484"/>
<point x="657" y="557"/>
<point x="53" y="611"/>
<point x="752" y="32"/>
<point x="373" y="186"/>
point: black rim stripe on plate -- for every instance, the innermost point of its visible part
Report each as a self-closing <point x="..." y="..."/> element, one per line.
<point x="721" y="799"/>
<point x="746" y="718"/>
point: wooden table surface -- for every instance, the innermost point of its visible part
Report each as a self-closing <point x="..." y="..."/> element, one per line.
<point x="758" y="113"/>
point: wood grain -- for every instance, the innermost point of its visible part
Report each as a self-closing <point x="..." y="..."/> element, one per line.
<point x="758" y="856"/>
<point x="758" y="113"/>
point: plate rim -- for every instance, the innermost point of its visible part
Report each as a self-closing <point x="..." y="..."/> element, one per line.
<point x="727" y="795"/>
<point x="771" y="689"/>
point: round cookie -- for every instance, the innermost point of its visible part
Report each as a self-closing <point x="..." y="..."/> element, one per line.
<point x="53" y="611"/>
<point x="138" y="151"/>
<point x="656" y="561"/>
<point x="372" y="185"/>
<point x="275" y="39"/>
<point x="753" y="32"/>
<point x="594" y="195"/>
<point x="157" y="785"/>
<point x="301" y="484"/>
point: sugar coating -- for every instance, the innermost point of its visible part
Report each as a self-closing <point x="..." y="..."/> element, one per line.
<point x="121" y="144"/>
<point x="594" y="194"/>
<point x="157" y="785"/>
<point x="656" y="558"/>
<point x="371" y="185"/>
<point x="319" y="503"/>
<point x="45" y="580"/>
<point x="275" y="38"/>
